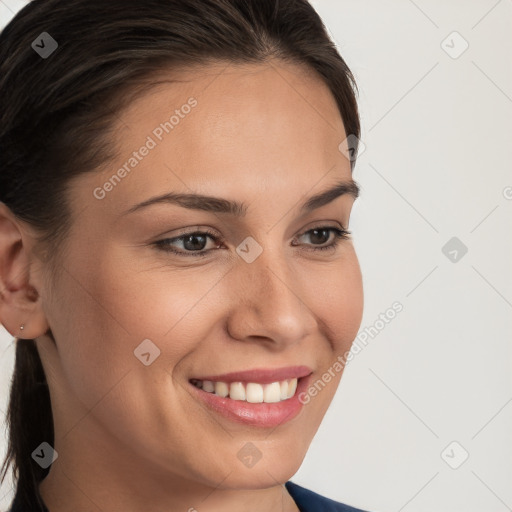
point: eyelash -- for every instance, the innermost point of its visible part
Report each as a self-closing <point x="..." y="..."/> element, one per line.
<point x="163" y="245"/>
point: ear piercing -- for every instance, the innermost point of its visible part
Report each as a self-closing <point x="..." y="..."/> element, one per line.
<point x="22" y="326"/>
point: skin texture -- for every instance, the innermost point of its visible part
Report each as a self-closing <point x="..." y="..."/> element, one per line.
<point x="132" y="437"/>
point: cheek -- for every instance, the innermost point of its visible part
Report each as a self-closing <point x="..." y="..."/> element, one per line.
<point x="94" y="346"/>
<point x="105" y="316"/>
<point x="126" y="304"/>
<point x="339" y="300"/>
<point x="339" y="305"/>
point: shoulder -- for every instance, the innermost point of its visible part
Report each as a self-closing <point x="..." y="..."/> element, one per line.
<point x="309" y="501"/>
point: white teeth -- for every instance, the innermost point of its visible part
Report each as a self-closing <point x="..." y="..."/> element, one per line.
<point x="292" y="386"/>
<point x="209" y="386"/>
<point x="254" y="393"/>
<point x="251" y="392"/>
<point x="284" y="390"/>
<point x="221" y="389"/>
<point x="272" y="392"/>
<point x="236" y="391"/>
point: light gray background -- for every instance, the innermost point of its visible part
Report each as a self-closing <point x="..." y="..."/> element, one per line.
<point x="437" y="164"/>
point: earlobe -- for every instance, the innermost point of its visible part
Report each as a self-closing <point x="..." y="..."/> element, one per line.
<point x="23" y="322"/>
<point x="20" y="303"/>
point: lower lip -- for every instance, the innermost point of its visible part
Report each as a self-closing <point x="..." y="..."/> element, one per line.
<point x="258" y="415"/>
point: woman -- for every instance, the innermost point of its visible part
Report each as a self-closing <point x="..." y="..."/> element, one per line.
<point x="176" y="188"/>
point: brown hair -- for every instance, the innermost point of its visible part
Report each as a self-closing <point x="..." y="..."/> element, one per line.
<point x="57" y="113"/>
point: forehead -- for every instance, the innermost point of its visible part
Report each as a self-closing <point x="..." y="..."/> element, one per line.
<point x="237" y="102"/>
<point x="230" y="128"/>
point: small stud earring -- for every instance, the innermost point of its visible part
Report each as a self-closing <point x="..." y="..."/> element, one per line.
<point x="22" y="326"/>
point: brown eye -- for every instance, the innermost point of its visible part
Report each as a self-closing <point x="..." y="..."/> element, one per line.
<point x="193" y="243"/>
<point x="320" y="235"/>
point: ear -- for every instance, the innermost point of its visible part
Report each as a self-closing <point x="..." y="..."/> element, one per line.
<point x="20" y="302"/>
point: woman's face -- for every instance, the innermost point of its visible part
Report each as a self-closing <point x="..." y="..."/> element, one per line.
<point x="134" y="323"/>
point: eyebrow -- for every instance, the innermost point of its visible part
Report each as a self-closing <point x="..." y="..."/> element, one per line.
<point x="238" y="209"/>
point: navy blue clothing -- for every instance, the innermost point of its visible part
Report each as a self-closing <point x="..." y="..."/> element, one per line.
<point x="306" y="500"/>
<point x="309" y="501"/>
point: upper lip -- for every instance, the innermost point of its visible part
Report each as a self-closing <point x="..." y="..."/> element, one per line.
<point x="261" y="375"/>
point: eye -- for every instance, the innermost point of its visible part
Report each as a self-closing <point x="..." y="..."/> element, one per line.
<point x="321" y="234"/>
<point x="193" y="243"/>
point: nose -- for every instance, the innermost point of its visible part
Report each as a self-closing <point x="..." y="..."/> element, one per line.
<point x="270" y="303"/>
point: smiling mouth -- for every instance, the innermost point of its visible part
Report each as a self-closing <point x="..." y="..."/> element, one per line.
<point x="252" y="392"/>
